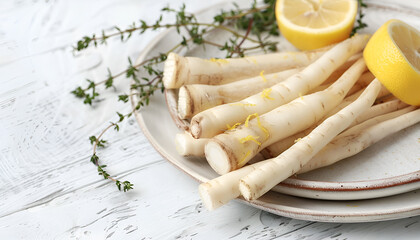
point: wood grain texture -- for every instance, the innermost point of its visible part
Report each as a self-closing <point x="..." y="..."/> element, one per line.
<point x="48" y="187"/>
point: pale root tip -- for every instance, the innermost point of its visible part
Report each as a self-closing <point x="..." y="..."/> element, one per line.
<point x="202" y="126"/>
<point x="180" y="144"/>
<point x="184" y="106"/>
<point x="245" y="190"/>
<point x="206" y="197"/>
<point x="169" y="71"/>
<point x="217" y="158"/>
<point x="195" y="129"/>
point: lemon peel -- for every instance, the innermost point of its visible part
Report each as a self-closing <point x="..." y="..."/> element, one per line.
<point x="393" y="56"/>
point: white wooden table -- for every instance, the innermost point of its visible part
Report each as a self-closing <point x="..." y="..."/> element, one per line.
<point x="48" y="187"/>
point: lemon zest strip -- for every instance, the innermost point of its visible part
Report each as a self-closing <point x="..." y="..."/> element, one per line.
<point x="301" y="96"/>
<point x="262" y="76"/>
<point x="253" y="60"/>
<point x="266" y="93"/>
<point x="243" y="104"/>
<point x="250" y="138"/>
<point x="260" y="126"/>
<point x="229" y="128"/>
<point x="243" y="159"/>
<point x="249" y="118"/>
<point x="218" y="60"/>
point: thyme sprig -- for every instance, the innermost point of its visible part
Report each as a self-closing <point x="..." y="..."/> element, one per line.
<point x="196" y="34"/>
<point x="99" y="142"/>
<point x="254" y="25"/>
<point x="183" y="19"/>
<point x="360" y="23"/>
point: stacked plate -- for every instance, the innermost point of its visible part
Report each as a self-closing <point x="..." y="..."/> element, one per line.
<point x="377" y="184"/>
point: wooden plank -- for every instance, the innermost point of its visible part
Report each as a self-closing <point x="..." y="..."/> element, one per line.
<point x="48" y="187"/>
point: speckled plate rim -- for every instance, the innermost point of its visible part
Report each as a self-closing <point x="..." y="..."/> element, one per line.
<point x="302" y="213"/>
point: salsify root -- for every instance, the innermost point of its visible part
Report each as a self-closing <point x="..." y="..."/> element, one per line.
<point x="382" y="93"/>
<point x="375" y="120"/>
<point x="215" y="120"/>
<point x="233" y="149"/>
<point x="363" y="81"/>
<point x="359" y="137"/>
<point x="186" y="145"/>
<point x="340" y="70"/>
<point x="196" y="98"/>
<point x="265" y="177"/>
<point x="280" y="146"/>
<point x="179" y="71"/>
<point x="378" y="110"/>
<point x="277" y="148"/>
<point x="221" y="190"/>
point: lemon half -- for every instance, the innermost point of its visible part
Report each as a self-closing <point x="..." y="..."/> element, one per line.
<point x="393" y="56"/>
<point x="311" y="24"/>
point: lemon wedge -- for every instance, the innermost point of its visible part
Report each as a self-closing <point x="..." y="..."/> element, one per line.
<point x="311" y="24"/>
<point x="393" y="56"/>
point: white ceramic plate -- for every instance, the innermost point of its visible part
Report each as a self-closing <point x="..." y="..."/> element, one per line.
<point x="388" y="168"/>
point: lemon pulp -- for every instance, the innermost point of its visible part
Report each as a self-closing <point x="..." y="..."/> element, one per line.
<point x="310" y="24"/>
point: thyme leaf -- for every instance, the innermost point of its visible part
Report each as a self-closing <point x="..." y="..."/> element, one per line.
<point x="360" y="24"/>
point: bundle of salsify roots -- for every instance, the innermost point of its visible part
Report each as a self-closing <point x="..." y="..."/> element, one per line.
<point x="300" y="110"/>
